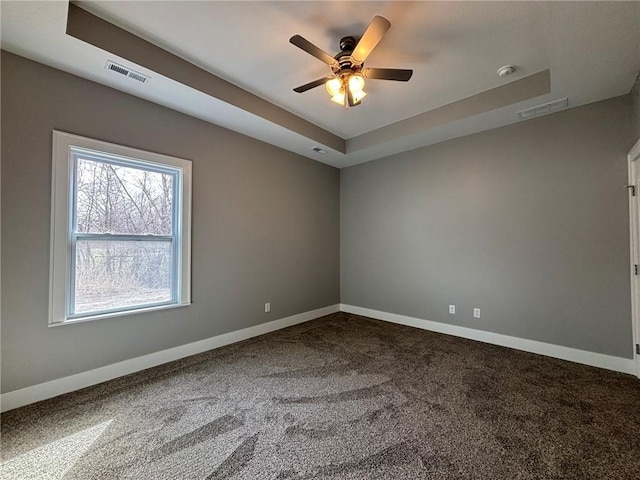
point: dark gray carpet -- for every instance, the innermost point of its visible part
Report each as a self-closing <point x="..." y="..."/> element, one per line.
<point x="341" y="397"/>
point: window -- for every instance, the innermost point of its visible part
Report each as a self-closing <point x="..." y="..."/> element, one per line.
<point x="120" y="230"/>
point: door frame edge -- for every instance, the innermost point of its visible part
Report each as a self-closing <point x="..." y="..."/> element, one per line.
<point x="633" y="158"/>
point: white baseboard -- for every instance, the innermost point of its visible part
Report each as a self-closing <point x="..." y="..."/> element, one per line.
<point x="618" y="364"/>
<point x="42" y="391"/>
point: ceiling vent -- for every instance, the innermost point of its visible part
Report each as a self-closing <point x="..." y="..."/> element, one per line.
<point x="127" y="72"/>
<point x="544" y="109"/>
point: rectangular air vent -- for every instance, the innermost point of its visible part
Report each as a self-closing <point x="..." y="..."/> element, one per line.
<point x="127" y="72"/>
<point x="544" y="109"/>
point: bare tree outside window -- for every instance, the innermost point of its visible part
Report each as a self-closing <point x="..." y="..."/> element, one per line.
<point x="134" y="205"/>
<point x="122" y="200"/>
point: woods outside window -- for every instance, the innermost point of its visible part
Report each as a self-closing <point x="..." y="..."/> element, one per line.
<point x="121" y="222"/>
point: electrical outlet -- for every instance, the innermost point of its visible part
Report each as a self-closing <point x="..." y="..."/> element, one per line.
<point x="267" y="307"/>
<point x="476" y="313"/>
<point x="452" y="309"/>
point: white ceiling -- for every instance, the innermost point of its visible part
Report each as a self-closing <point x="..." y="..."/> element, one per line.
<point x="454" y="48"/>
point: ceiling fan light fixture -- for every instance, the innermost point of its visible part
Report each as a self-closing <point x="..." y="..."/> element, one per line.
<point x="337" y="88"/>
<point x="334" y="86"/>
<point x="358" y="96"/>
<point x="338" y="98"/>
<point x="356" y="83"/>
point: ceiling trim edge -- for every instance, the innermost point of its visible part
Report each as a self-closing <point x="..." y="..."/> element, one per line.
<point x="100" y="33"/>
<point x="519" y="90"/>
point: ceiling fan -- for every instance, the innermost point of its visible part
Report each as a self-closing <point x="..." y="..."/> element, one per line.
<point x="346" y="85"/>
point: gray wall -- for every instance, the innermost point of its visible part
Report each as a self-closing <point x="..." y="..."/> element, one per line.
<point x="265" y="226"/>
<point x="527" y="222"/>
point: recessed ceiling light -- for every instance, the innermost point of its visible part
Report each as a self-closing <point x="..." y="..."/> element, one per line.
<point x="506" y="70"/>
<point x="319" y="150"/>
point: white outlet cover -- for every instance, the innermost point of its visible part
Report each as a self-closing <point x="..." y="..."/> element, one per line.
<point x="476" y="313"/>
<point x="452" y="309"/>
<point x="267" y="307"/>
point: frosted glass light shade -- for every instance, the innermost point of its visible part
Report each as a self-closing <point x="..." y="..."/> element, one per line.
<point x="333" y="86"/>
<point x="356" y="83"/>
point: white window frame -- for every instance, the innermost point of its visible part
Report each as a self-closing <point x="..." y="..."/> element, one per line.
<point x="62" y="216"/>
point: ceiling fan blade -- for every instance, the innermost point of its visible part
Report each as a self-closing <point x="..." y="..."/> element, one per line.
<point x="370" y="38"/>
<point x="387" y="74"/>
<point x="314" y="84"/>
<point x="311" y="49"/>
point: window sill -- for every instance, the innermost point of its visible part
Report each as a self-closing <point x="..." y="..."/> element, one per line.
<point x="91" y="318"/>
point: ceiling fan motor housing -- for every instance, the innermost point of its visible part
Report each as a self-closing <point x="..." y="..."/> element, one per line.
<point x="345" y="65"/>
<point x="347" y="44"/>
